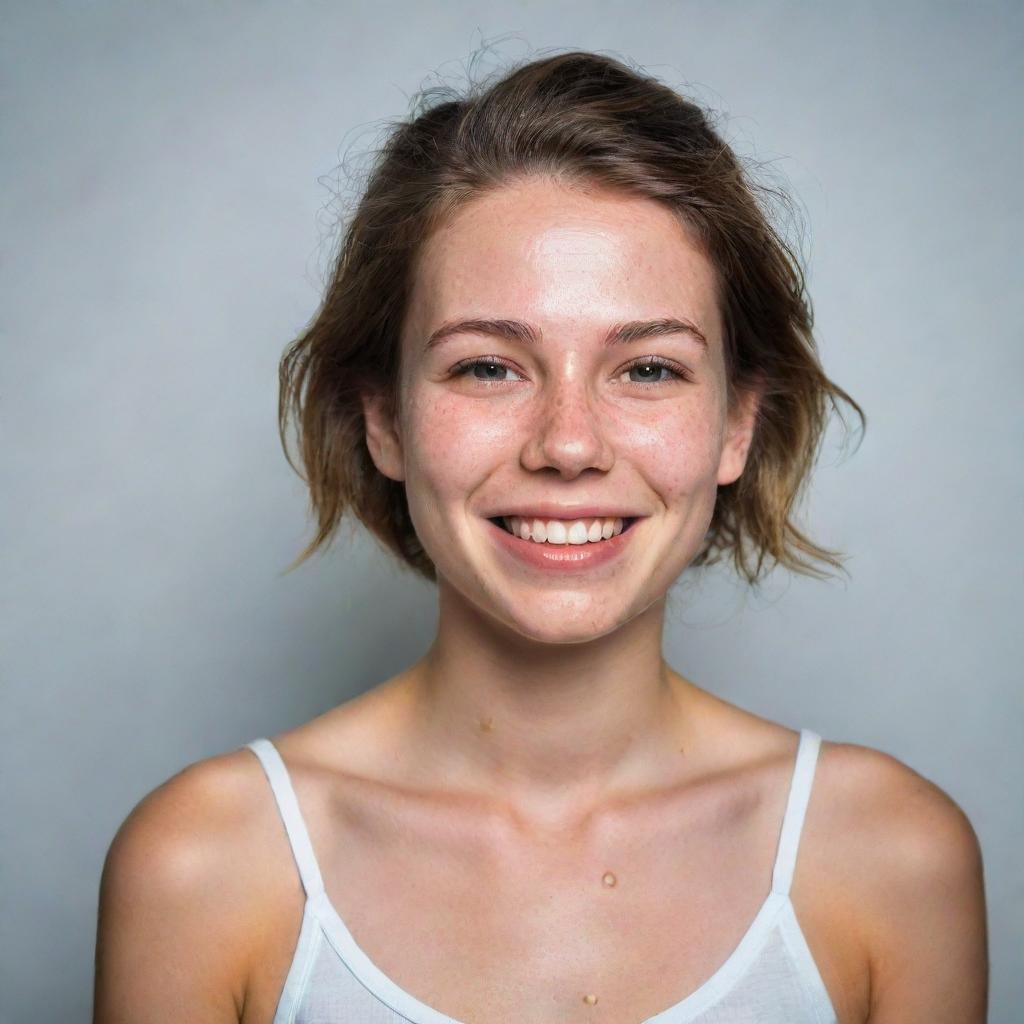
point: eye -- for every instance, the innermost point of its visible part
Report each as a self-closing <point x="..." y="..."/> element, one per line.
<point x="656" y="364"/>
<point x="493" y="366"/>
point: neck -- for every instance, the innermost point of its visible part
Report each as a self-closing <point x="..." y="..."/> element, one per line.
<point x="546" y="729"/>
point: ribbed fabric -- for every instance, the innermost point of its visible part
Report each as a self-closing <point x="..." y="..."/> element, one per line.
<point x="769" y="978"/>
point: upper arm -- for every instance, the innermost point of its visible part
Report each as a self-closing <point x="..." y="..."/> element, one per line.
<point x="925" y="904"/>
<point x="169" y="942"/>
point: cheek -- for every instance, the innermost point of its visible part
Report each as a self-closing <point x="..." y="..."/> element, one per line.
<point x="453" y="443"/>
<point x="678" y="450"/>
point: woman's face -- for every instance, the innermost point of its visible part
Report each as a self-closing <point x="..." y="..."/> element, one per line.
<point x="539" y="413"/>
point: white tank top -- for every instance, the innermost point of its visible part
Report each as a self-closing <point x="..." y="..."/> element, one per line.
<point x="769" y="978"/>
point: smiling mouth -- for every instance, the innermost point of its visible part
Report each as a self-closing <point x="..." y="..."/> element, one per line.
<point x="499" y="521"/>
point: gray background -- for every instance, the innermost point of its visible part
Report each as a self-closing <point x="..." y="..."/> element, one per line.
<point x="166" y="207"/>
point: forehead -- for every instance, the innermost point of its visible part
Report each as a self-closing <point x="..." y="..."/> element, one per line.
<point x="559" y="255"/>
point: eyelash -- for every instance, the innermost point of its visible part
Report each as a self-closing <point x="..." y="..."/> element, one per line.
<point x="460" y="369"/>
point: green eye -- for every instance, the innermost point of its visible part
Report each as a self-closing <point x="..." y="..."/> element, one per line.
<point x="656" y="363"/>
<point x="495" y="368"/>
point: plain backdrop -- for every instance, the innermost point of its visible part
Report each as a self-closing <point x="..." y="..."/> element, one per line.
<point x="170" y="176"/>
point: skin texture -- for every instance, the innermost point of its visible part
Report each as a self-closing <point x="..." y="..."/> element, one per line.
<point x="465" y="811"/>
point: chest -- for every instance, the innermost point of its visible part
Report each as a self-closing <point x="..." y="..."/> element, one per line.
<point x="615" y="925"/>
<point x="602" y="939"/>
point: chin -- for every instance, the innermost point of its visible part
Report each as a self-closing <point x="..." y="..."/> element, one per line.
<point x="561" y="620"/>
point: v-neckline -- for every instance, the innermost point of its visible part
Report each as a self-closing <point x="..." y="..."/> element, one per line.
<point x="389" y="992"/>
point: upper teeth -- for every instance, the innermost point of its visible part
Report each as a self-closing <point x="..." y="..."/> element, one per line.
<point x="563" y="531"/>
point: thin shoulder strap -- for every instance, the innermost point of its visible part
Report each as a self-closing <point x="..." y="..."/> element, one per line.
<point x="796" y="807"/>
<point x="288" y="806"/>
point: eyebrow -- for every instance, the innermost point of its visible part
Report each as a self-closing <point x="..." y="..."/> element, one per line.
<point x="524" y="333"/>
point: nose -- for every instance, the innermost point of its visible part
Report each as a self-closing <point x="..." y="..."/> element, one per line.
<point x="567" y="433"/>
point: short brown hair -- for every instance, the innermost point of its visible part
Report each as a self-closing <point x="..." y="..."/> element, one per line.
<point x="582" y="118"/>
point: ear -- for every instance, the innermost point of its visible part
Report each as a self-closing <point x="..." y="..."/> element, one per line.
<point x="739" y="434"/>
<point x="382" y="436"/>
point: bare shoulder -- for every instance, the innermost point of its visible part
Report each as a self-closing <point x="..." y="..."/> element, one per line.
<point x="905" y="826"/>
<point x="910" y="863"/>
<point x="177" y="914"/>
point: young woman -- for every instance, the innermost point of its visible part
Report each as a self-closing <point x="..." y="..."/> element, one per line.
<point x="564" y="357"/>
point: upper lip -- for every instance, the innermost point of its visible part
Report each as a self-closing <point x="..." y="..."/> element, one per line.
<point x="543" y="510"/>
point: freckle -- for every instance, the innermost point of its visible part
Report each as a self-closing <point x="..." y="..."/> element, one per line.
<point x="590" y="1000"/>
<point x="609" y="879"/>
<point x="487" y="724"/>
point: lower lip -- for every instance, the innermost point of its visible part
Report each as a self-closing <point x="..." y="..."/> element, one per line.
<point x="564" y="558"/>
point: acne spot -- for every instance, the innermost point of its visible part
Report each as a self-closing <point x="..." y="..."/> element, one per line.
<point x="609" y="879"/>
<point x="589" y="999"/>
